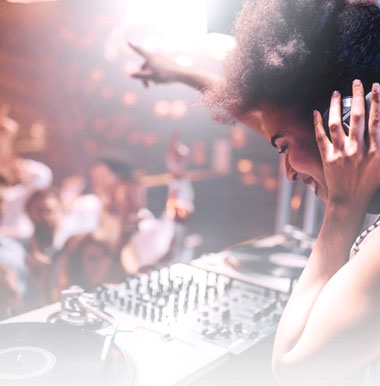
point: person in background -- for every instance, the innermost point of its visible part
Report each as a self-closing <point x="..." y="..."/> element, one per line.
<point x="53" y="227"/>
<point x="161" y="240"/>
<point x="14" y="271"/>
<point x="91" y="262"/>
<point x="10" y="297"/>
<point x="23" y="177"/>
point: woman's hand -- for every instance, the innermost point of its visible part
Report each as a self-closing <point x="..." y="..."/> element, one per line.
<point x="351" y="163"/>
<point x="156" y="68"/>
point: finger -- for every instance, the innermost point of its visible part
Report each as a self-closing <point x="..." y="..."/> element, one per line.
<point x="374" y="119"/>
<point x="357" y="120"/>
<point x="139" y="50"/>
<point x="335" y="121"/>
<point x="320" y="135"/>
<point x="144" y="75"/>
<point x="145" y="83"/>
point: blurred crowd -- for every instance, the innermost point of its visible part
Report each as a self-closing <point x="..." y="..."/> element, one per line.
<point x="82" y="233"/>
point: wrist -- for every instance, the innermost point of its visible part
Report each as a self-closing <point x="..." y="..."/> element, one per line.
<point x="342" y="209"/>
<point x="349" y="219"/>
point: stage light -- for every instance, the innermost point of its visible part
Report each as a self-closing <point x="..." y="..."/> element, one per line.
<point x="176" y="17"/>
<point x="171" y="25"/>
<point x="97" y="74"/>
<point x="178" y="109"/>
<point x="129" y="98"/>
<point x="238" y="136"/>
<point x="270" y="184"/>
<point x="184" y="61"/>
<point x="162" y="108"/>
<point x="245" y="166"/>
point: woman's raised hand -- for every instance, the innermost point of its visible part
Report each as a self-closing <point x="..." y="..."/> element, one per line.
<point x="156" y="68"/>
<point x="351" y="163"/>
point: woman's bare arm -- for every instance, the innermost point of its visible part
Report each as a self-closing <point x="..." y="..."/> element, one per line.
<point x="160" y="69"/>
<point x="334" y="304"/>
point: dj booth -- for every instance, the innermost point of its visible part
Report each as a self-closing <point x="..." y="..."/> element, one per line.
<point x="209" y="323"/>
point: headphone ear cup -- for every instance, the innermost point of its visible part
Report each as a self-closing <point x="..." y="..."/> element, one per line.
<point x="346" y="114"/>
<point x="325" y="118"/>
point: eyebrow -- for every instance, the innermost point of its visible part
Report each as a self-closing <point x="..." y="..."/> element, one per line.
<point x="274" y="139"/>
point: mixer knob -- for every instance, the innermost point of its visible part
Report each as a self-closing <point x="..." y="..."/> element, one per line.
<point x="225" y="332"/>
<point x="152" y="314"/>
<point x="257" y="315"/>
<point x="238" y="327"/>
<point x="210" y="334"/>
<point x="226" y="315"/>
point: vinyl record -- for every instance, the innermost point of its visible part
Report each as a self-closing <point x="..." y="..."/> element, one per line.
<point x="43" y="354"/>
<point x="246" y="265"/>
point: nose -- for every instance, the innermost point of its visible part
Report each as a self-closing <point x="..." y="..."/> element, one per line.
<point x="291" y="174"/>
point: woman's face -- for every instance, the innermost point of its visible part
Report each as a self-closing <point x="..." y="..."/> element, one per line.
<point x="296" y="141"/>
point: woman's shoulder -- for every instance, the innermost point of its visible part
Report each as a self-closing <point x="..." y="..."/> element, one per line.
<point x="365" y="264"/>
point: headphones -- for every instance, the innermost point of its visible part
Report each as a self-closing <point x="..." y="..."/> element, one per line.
<point x="346" y="113"/>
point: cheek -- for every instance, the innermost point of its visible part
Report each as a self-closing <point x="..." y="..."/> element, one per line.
<point x="306" y="160"/>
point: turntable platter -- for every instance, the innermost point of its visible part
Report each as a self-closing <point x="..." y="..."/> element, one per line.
<point x="252" y="264"/>
<point x="43" y="354"/>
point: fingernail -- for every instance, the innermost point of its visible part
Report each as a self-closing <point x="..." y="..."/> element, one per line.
<point x="315" y="114"/>
<point x="357" y="82"/>
<point x="336" y="94"/>
<point x="376" y="88"/>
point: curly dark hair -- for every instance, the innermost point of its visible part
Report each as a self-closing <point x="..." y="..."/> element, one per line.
<point x="294" y="53"/>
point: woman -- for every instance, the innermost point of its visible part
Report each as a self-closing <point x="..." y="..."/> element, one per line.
<point x="289" y="58"/>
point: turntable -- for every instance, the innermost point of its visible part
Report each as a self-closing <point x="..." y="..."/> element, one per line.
<point x="274" y="262"/>
<point x="44" y="354"/>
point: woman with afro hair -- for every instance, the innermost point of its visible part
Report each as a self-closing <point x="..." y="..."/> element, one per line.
<point x="293" y="60"/>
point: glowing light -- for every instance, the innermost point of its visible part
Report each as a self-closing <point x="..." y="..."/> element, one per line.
<point x="178" y="109"/>
<point x="184" y="61"/>
<point x="129" y="98"/>
<point x="295" y="202"/>
<point x="162" y="108"/>
<point x="248" y="179"/>
<point x="151" y="42"/>
<point x="219" y="45"/>
<point x="186" y="18"/>
<point x="245" y="166"/>
<point x="238" y="137"/>
<point x="97" y="74"/>
<point x="270" y="184"/>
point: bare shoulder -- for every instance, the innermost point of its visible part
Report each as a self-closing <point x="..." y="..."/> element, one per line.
<point x="366" y="263"/>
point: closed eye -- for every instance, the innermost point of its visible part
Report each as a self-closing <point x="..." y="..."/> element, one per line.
<point x="283" y="149"/>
